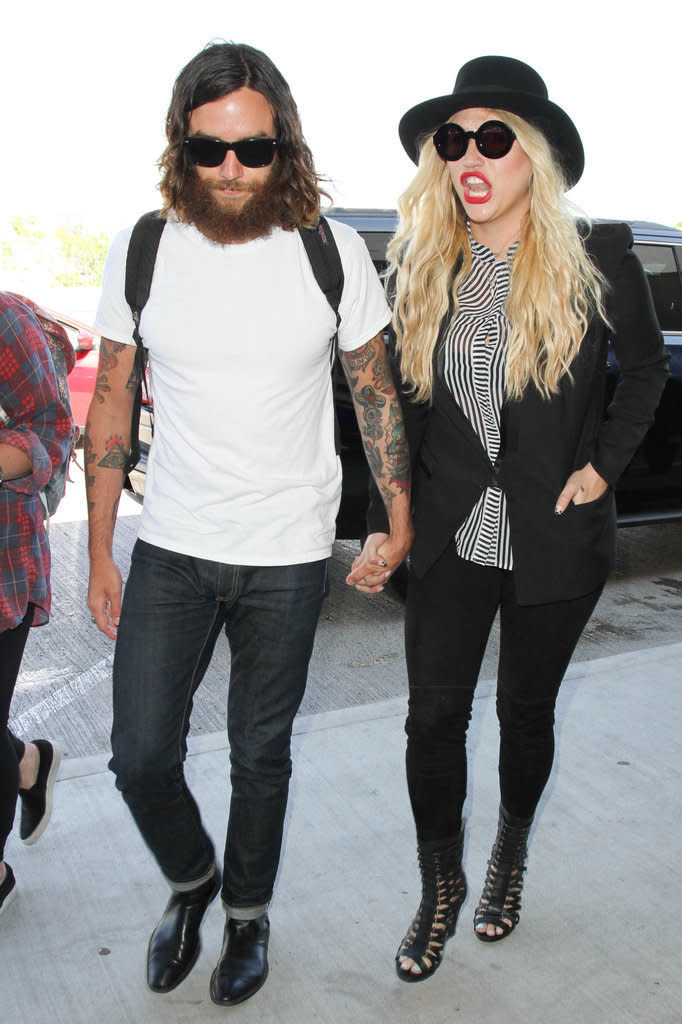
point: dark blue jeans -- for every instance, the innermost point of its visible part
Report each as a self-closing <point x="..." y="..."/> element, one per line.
<point x="174" y="607"/>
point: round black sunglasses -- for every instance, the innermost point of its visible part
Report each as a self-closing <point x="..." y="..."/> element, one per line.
<point x="206" y="152"/>
<point x="493" y="139"/>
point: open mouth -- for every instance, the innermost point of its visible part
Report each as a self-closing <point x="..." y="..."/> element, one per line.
<point x="476" y="188"/>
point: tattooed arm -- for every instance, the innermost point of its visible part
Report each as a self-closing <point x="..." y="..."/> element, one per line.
<point x="380" y="419"/>
<point x="106" y="446"/>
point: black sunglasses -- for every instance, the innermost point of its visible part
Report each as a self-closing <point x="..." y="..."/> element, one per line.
<point x="493" y="139"/>
<point x="211" y="152"/>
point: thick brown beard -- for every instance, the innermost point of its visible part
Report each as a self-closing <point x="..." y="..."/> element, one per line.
<point x="255" y="218"/>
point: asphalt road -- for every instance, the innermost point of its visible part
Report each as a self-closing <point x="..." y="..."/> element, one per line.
<point x="63" y="691"/>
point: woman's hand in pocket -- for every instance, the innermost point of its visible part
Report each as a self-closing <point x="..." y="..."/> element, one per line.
<point x="583" y="486"/>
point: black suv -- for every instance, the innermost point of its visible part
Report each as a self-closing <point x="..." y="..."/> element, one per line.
<point x="649" y="491"/>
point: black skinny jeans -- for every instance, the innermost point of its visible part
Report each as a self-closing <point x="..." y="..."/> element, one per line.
<point x="12" y="643"/>
<point x="450" y="612"/>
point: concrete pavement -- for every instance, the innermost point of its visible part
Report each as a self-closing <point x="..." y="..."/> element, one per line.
<point x="599" y="937"/>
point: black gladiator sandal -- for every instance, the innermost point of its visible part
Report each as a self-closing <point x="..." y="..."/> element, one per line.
<point x="500" y="902"/>
<point x="444" y="889"/>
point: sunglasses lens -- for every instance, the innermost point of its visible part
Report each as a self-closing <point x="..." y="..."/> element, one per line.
<point x="450" y="141"/>
<point x="250" y="152"/>
<point x="255" y="152"/>
<point x="494" y="139"/>
<point x="206" y="152"/>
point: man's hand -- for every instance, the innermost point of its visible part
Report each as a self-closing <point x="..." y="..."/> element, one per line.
<point x="381" y="555"/>
<point x="104" y="596"/>
<point x="581" y="487"/>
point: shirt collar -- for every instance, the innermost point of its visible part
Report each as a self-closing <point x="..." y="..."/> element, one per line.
<point x="482" y="252"/>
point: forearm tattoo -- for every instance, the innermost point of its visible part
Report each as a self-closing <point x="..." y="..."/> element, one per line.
<point x="110" y="452"/>
<point x="116" y="453"/>
<point x="379" y="418"/>
<point x="108" y="361"/>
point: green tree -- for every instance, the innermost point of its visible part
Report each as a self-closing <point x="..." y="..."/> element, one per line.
<point x="84" y="255"/>
<point x="23" y="245"/>
<point x="26" y="229"/>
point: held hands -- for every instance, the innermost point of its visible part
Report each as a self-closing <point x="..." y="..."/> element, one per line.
<point x="583" y="486"/>
<point x="381" y="555"/>
<point x="104" y="596"/>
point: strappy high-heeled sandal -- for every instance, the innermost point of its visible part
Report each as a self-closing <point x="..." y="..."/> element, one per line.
<point x="500" y="902"/>
<point x="444" y="889"/>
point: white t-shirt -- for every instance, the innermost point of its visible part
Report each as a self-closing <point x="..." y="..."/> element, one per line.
<point x="243" y="468"/>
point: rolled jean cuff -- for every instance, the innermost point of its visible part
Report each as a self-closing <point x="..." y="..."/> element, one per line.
<point x="188" y="886"/>
<point x="245" y="913"/>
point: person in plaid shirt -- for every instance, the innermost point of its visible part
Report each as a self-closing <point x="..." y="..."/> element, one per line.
<point x="35" y="432"/>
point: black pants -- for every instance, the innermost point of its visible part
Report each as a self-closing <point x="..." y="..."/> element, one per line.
<point x="12" y="643"/>
<point x="450" y="612"/>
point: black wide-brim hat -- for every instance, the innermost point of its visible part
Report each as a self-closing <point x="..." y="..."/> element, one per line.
<point x="501" y="83"/>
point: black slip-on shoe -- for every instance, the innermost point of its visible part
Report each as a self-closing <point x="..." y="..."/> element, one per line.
<point x="8" y="889"/>
<point x="36" y="802"/>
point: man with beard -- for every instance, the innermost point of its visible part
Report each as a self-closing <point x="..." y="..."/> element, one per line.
<point x="243" y="485"/>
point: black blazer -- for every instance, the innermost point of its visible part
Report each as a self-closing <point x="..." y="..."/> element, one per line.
<point x="543" y="441"/>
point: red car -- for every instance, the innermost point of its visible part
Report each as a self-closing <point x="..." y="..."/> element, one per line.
<point x="85" y="341"/>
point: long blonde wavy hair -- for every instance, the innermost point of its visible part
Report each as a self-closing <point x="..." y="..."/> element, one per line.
<point x="554" y="290"/>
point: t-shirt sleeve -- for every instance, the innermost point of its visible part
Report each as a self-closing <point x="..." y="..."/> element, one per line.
<point x="364" y="310"/>
<point x="114" y="319"/>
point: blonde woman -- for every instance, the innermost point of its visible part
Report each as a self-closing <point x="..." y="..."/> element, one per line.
<point x="503" y="307"/>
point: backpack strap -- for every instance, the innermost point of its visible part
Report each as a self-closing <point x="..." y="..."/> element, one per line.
<point x="325" y="261"/>
<point x="142" y="250"/>
<point x="323" y="254"/>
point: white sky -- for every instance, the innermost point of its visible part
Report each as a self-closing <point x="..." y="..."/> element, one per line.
<point x="85" y="88"/>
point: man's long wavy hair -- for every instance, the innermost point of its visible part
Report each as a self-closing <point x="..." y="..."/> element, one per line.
<point x="554" y="292"/>
<point x="217" y="70"/>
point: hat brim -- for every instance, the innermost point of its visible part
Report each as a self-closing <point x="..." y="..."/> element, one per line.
<point x="551" y="120"/>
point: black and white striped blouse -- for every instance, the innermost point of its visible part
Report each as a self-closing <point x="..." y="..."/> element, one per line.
<point x="474" y="361"/>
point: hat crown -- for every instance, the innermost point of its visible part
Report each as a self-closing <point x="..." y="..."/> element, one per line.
<point x="494" y="74"/>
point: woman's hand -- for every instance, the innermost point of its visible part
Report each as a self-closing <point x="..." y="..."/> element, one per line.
<point x="581" y="487"/>
<point x="380" y="556"/>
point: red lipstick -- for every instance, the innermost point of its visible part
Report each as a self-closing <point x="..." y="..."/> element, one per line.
<point x="477" y="188"/>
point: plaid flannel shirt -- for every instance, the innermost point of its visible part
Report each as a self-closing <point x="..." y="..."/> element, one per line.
<point x="34" y="420"/>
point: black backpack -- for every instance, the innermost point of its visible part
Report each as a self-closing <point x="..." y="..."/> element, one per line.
<point x="142" y="249"/>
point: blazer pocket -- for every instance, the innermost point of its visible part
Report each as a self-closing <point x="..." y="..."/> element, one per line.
<point x="586" y="506"/>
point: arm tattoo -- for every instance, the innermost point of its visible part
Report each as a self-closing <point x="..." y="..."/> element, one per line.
<point x="372" y="405"/>
<point x="379" y="418"/>
<point x="382" y="376"/>
<point x="359" y="359"/>
<point x="398" y="461"/>
<point x="133" y="381"/>
<point x="116" y="453"/>
<point x="89" y="457"/>
<point x="108" y="360"/>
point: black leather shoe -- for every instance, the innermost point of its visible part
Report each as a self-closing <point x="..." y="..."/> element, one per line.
<point x="243" y="965"/>
<point x="175" y="943"/>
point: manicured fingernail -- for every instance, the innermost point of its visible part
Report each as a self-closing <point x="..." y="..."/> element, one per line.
<point x="558" y="511"/>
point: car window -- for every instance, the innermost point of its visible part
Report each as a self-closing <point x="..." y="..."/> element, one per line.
<point x="663" y="274"/>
